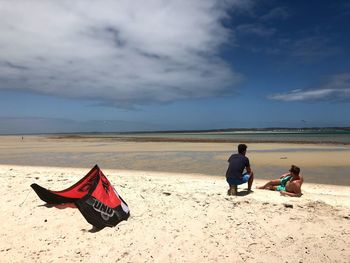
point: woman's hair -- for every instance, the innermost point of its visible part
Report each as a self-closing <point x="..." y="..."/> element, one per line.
<point x="294" y="169"/>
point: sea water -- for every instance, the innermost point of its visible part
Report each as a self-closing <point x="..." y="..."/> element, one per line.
<point x="306" y="136"/>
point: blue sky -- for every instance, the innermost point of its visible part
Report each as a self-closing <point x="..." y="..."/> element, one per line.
<point x="165" y="65"/>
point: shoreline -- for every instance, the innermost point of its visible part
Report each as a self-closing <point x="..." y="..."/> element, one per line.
<point x="128" y="138"/>
<point x="190" y="140"/>
<point x="320" y="163"/>
<point x="311" y="188"/>
<point x="190" y="175"/>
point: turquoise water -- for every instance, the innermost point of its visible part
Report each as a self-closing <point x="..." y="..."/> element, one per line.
<point x="333" y="136"/>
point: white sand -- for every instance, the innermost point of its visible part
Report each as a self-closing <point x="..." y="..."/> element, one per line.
<point x="197" y="222"/>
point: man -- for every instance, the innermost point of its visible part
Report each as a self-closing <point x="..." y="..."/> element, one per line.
<point x="234" y="175"/>
<point x="289" y="184"/>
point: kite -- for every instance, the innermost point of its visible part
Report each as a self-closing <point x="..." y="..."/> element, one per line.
<point x="95" y="197"/>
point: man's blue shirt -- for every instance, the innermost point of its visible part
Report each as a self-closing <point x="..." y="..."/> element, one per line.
<point x="237" y="163"/>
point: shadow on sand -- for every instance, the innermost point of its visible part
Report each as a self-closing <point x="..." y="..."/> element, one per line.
<point x="92" y="230"/>
<point x="60" y="206"/>
<point x="244" y="192"/>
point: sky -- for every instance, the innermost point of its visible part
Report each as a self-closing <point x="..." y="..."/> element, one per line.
<point x="113" y="66"/>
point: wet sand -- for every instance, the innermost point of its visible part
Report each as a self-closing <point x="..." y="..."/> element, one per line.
<point x="320" y="163"/>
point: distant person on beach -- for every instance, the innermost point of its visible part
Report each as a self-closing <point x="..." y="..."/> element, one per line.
<point x="289" y="184"/>
<point x="237" y="164"/>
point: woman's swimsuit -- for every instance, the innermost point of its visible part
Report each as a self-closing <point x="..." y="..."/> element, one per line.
<point x="283" y="182"/>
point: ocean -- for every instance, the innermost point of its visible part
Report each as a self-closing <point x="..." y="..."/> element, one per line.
<point x="331" y="136"/>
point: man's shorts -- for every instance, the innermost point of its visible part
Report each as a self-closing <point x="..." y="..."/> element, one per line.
<point x="235" y="181"/>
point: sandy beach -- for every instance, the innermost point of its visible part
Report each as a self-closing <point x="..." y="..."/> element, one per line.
<point x="128" y="129"/>
<point x="176" y="192"/>
<point x="174" y="218"/>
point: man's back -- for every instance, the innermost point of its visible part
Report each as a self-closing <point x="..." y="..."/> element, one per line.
<point x="237" y="163"/>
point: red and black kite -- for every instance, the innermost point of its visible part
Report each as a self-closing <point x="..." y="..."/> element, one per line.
<point x="94" y="196"/>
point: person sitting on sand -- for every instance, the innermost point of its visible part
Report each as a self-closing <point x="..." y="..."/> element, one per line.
<point x="234" y="175"/>
<point x="289" y="184"/>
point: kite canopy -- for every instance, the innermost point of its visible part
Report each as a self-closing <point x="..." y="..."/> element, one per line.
<point x="94" y="196"/>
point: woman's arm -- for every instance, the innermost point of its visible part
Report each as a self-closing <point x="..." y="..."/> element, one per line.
<point x="284" y="175"/>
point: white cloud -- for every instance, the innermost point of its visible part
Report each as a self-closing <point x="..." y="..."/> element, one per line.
<point x="337" y="88"/>
<point x="119" y="52"/>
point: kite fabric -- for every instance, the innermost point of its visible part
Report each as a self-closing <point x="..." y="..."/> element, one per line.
<point x="94" y="196"/>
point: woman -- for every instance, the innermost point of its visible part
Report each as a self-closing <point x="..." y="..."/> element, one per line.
<point x="289" y="184"/>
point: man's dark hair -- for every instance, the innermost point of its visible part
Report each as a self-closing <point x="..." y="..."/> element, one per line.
<point x="294" y="169"/>
<point x="242" y="148"/>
